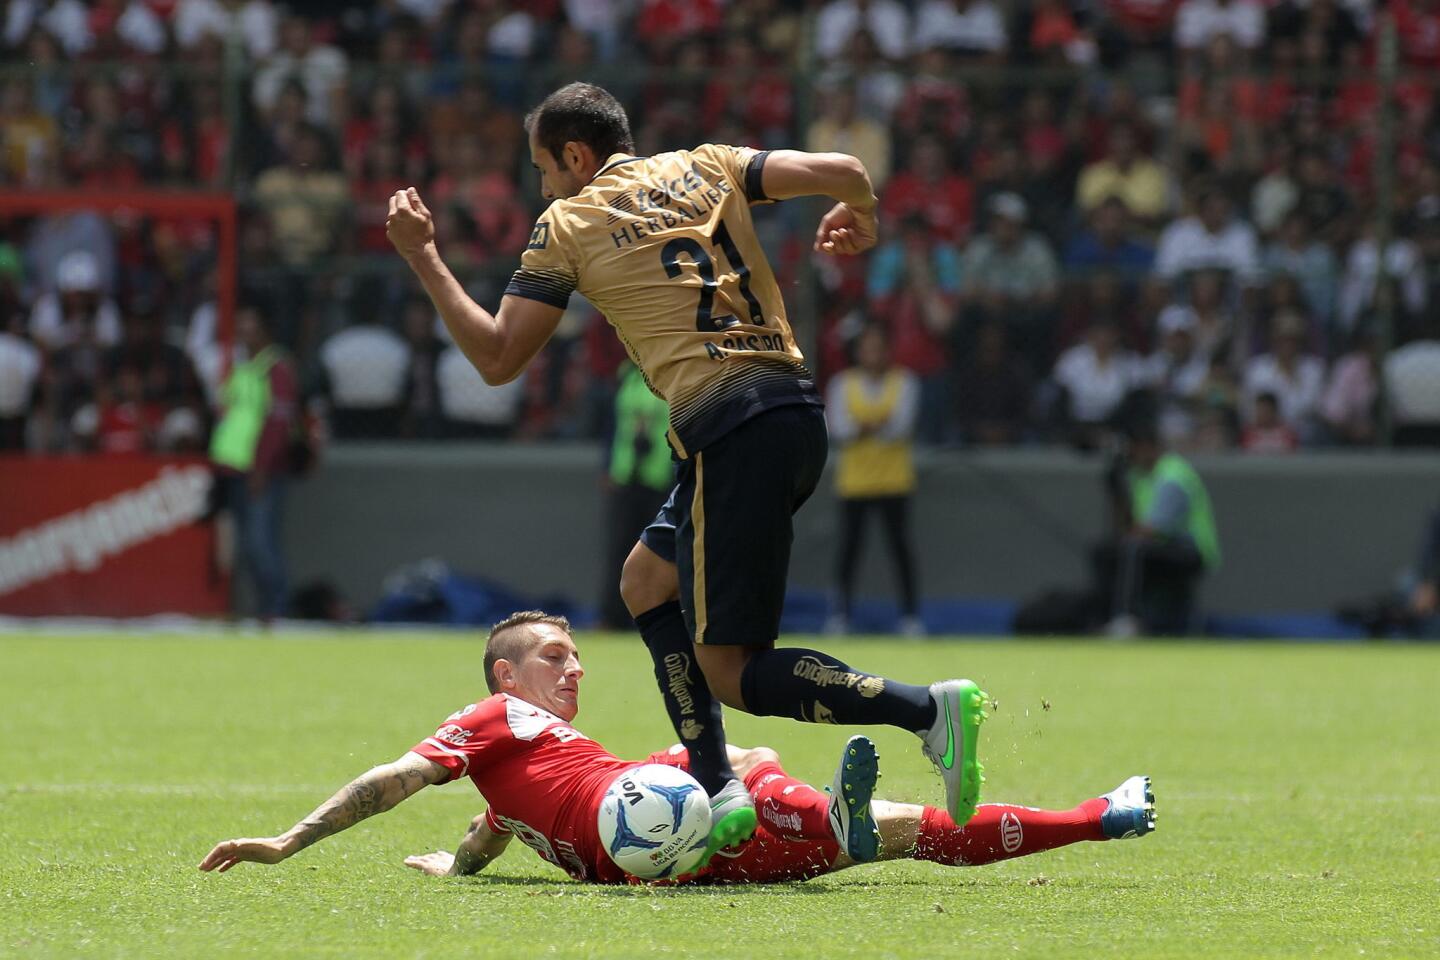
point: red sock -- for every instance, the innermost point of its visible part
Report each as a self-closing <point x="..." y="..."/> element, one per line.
<point x="787" y="807"/>
<point x="999" y="831"/>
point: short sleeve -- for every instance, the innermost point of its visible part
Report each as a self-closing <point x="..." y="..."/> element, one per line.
<point x="744" y="166"/>
<point x="468" y="736"/>
<point x="546" y="272"/>
<point x="676" y="756"/>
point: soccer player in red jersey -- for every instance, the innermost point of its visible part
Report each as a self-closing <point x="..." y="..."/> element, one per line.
<point x="544" y="781"/>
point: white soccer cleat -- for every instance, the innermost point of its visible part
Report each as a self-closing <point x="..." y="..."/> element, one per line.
<point x="1130" y="810"/>
<point x="732" y="819"/>
<point x="951" y="744"/>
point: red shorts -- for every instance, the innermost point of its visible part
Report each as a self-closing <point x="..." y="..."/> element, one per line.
<point x="766" y="857"/>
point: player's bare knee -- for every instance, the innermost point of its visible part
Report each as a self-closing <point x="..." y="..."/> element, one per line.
<point x="478" y="822"/>
<point x="759" y="755"/>
<point x="745" y="760"/>
<point x="647" y="580"/>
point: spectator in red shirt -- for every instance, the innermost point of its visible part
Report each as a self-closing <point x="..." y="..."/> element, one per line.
<point x="1266" y="432"/>
<point x="1220" y="109"/>
<point x="384" y="119"/>
<point x="745" y="90"/>
<point x="929" y="189"/>
<point x="935" y="101"/>
<point x="1121" y="107"/>
<point x="478" y="188"/>
<point x="663" y="24"/>
<point x="914" y="283"/>
<point x="473" y="111"/>
<point x="1043" y="137"/>
<point x="381" y="174"/>
<point x="1131" y="24"/>
<point x="994" y="391"/>
<point x="125" y="424"/>
<point x="1417" y="24"/>
<point x="1054" y="35"/>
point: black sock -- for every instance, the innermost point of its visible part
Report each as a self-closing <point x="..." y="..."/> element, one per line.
<point x="817" y="688"/>
<point x="694" y="712"/>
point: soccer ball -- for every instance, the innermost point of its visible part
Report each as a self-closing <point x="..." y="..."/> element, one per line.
<point x="654" y="821"/>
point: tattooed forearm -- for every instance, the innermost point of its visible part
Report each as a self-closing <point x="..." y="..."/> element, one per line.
<point x="374" y="791"/>
<point x="480" y="846"/>
<point x="356" y="801"/>
<point x="469" y="858"/>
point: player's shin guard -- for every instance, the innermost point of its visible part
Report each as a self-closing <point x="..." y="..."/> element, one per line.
<point x="999" y="831"/>
<point x="817" y="688"/>
<point x="694" y="713"/>
<point x="789" y="808"/>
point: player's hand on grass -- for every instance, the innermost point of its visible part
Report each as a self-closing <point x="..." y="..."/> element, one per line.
<point x="845" y="230"/>
<point x="252" y="849"/>
<point x="437" y="864"/>
<point x="409" y="225"/>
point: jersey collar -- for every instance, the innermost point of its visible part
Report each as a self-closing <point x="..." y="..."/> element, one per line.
<point x="614" y="160"/>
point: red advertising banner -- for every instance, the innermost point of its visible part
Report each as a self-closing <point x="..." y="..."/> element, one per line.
<point x="107" y="536"/>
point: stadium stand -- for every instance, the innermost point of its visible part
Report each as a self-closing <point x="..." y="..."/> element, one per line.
<point x="1071" y="192"/>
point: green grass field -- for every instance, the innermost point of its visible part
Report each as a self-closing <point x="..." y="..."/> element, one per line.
<point x="1298" y="790"/>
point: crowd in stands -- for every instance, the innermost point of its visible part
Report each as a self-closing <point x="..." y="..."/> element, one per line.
<point x="1078" y="200"/>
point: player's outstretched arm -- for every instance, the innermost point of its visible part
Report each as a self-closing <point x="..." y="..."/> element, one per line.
<point x="480" y="846"/>
<point x="850" y="227"/>
<point x="374" y="791"/>
<point x="499" y="346"/>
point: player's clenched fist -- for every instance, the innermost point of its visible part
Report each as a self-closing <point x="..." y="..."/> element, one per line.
<point x="409" y="226"/>
<point x="846" y="230"/>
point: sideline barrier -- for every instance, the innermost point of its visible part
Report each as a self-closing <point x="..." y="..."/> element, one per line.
<point x="107" y="536"/>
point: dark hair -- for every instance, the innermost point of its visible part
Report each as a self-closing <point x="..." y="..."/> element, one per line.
<point x="1137" y="417"/>
<point x="581" y="112"/>
<point x="508" y="642"/>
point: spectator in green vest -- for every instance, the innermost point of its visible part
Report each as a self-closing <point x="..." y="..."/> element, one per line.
<point x="1165" y="537"/>
<point x="251" y="448"/>
<point x="638" y="478"/>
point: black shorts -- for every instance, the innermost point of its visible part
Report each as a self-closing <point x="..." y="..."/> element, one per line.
<point x="727" y="524"/>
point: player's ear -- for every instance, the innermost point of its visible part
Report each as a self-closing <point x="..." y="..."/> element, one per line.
<point x="504" y="672"/>
<point x="578" y="156"/>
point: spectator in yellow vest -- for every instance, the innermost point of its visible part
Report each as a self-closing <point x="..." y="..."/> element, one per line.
<point x="871" y="409"/>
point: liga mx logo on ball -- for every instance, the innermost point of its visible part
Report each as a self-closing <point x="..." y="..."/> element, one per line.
<point x="654" y="821"/>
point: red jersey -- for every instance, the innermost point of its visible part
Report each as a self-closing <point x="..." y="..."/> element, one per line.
<point x="544" y="781"/>
<point x="542" y="778"/>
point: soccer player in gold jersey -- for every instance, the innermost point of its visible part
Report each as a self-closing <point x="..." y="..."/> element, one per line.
<point x="665" y="248"/>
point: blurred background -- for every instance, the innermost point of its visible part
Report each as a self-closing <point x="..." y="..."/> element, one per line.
<point x="1228" y="208"/>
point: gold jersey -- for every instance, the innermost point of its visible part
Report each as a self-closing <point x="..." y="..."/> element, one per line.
<point x="665" y="248"/>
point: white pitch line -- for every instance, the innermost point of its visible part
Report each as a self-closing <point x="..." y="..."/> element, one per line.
<point x="298" y="789"/>
<point x="171" y="789"/>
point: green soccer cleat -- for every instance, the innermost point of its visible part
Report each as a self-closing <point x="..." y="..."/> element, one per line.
<point x="951" y="744"/>
<point x="732" y="819"/>
<point x="851" y="819"/>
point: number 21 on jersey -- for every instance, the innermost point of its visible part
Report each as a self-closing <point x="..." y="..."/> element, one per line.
<point x="705" y="264"/>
